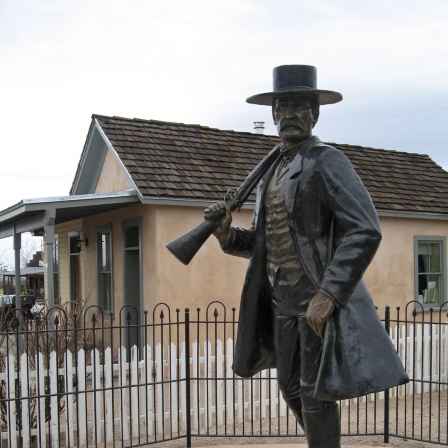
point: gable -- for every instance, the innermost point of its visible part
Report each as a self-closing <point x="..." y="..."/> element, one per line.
<point x="100" y="170"/>
<point x="112" y="177"/>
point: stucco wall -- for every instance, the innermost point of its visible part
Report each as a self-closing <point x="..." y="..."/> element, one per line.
<point x="213" y="275"/>
<point x="390" y="278"/>
<point x="112" y="176"/>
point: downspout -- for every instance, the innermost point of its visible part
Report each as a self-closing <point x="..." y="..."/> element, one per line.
<point x="50" y="217"/>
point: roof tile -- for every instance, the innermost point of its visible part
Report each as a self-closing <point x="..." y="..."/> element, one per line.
<point x="175" y="160"/>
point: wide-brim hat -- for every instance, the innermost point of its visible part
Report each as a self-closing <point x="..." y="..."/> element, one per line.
<point x="296" y="80"/>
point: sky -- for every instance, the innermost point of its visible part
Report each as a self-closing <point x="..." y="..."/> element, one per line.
<point x="196" y="61"/>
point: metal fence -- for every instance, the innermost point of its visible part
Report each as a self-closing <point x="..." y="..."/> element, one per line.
<point x="72" y="377"/>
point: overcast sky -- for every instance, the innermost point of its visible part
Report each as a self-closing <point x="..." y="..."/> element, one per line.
<point x="196" y="61"/>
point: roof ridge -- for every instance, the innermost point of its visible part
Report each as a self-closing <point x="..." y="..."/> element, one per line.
<point x="174" y="123"/>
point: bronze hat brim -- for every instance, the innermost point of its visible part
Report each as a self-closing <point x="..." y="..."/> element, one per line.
<point x="266" y="99"/>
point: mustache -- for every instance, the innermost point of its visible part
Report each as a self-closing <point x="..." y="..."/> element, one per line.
<point x="287" y="122"/>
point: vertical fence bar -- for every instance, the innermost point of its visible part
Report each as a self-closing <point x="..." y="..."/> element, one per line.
<point x="179" y="360"/>
<point x="76" y="394"/>
<point x="386" y="392"/>
<point x="432" y="345"/>
<point x="187" y="376"/>
<point x="146" y="390"/>
<point x="234" y="385"/>
<point x="230" y="394"/>
<point x="440" y="373"/>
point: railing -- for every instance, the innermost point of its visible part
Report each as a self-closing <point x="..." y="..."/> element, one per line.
<point x="79" y="381"/>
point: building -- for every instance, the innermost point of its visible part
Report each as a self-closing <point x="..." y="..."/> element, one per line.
<point x="140" y="184"/>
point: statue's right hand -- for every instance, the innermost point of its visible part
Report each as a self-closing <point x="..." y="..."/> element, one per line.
<point x="222" y="231"/>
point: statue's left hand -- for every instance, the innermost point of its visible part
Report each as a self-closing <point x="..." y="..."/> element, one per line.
<point x="320" y="309"/>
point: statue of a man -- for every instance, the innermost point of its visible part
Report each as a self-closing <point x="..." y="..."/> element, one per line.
<point x="304" y="307"/>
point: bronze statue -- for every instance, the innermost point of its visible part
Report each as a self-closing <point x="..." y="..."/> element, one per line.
<point x="304" y="307"/>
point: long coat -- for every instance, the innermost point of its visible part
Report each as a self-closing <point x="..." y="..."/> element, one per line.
<point x="336" y="233"/>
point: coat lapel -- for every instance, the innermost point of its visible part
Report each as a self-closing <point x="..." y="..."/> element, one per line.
<point x="265" y="181"/>
<point x="292" y="182"/>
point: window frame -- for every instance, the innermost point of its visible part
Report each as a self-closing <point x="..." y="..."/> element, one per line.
<point x="72" y="236"/>
<point x="100" y="231"/>
<point x="442" y="286"/>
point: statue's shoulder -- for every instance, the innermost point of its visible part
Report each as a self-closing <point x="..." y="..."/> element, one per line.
<point x="323" y="147"/>
<point x="329" y="157"/>
<point x="321" y="150"/>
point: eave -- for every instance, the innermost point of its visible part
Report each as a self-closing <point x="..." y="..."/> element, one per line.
<point x="412" y="215"/>
<point x="31" y="214"/>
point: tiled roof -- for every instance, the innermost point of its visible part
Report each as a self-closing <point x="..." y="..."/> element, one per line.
<point x="192" y="162"/>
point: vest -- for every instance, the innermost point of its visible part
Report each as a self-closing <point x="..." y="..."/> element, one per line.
<point x="280" y="249"/>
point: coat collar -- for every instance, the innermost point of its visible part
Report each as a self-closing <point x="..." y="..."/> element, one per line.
<point x="296" y="165"/>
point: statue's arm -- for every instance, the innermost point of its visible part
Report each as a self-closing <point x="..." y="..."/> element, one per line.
<point x="358" y="228"/>
<point x="240" y="242"/>
<point x="233" y="240"/>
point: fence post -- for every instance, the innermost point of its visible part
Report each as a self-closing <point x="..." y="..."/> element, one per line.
<point x="386" y="392"/>
<point x="187" y="376"/>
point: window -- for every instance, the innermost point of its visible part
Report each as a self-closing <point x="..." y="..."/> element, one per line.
<point x="75" y="267"/>
<point x="430" y="269"/>
<point x="105" y="271"/>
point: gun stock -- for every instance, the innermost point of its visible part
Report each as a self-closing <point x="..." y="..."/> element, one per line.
<point x="186" y="246"/>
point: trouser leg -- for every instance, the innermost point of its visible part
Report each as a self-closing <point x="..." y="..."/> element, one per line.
<point x="287" y="343"/>
<point x="288" y="364"/>
<point x="321" y="418"/>
<point x="298" y="351"/>
<point x="323" y="427"/>
<point x="295" y="404"/>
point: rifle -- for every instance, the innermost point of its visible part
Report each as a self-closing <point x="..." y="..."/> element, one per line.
<point x="186" y="246"/>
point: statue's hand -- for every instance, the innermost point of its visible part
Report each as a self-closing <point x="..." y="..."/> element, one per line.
<point x="321" y="307"/>
<point x="222" y="231"/>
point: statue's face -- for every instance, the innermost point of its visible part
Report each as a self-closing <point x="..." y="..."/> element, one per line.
<point x="294" y="119"/>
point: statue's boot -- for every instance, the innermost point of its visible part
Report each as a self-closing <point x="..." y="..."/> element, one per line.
<point x="323" y="427"/>
<point x="295" y="404"/>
